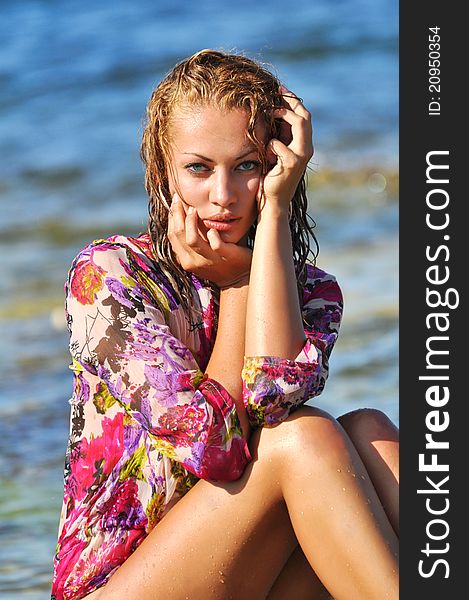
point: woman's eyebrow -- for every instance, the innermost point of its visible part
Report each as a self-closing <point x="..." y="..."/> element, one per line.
<point x="247" y="153"/>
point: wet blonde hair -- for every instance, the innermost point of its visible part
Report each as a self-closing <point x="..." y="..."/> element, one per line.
<point x="227" y="81"/>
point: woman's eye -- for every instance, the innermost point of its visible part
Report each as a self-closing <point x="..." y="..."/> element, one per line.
<point x="196" y="167"/>
<point x="249" y="165"/>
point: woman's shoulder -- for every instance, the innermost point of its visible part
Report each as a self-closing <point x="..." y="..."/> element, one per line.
<point x="115" y="252"/>
<point x="118" y="262"/>
<point x="320" y="283"/>
<point x="118" y="244"/>
<point x="116" y="256"/>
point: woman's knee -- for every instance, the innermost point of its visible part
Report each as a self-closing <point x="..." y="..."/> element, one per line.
<point x="368" y="423"/>
<point x="309" y="433"/>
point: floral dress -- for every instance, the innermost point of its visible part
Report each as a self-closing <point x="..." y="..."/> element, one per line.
<point x="146" y="423"/>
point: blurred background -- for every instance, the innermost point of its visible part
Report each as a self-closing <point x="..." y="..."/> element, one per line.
<point x="75" y="78"/>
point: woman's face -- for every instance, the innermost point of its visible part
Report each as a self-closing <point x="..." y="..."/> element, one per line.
<point x="215" y="168"/>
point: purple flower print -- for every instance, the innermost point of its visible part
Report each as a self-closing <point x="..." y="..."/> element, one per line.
<point x="194" y="463"/>
<point x="166" y="385"/>
<point x="119" y="291"/>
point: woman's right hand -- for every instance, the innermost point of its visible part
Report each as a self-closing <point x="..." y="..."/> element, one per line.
<point x="225" y="264"/>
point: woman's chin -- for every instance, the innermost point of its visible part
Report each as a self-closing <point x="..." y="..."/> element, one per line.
<point x="232" y="238"/>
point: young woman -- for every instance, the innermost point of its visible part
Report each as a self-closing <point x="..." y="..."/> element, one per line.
<point x="193" y="468"/>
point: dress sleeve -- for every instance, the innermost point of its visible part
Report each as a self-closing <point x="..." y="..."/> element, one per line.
<point x="274" y="387"/>
<point x="116" y="310"/>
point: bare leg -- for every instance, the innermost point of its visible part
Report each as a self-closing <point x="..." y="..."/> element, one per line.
<point x="297" y="580"/>
<point x="232" y="540"/>
<point x="377" y="441"/>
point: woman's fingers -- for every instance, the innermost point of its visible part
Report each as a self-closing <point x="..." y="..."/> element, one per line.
<point x="176" y="227"/>
<point x="184" y="234"/>
<point x="301" y="143"/>
<point x="213" y="259"/>
<point x="214" y="240"/>
<point x="289" y="152"/>
<point x="218" y="245"/>
<point x="296" y="129"/>
<point x="285" y="156"/>
<point x="182" y="225"/>
<point x="216" y="260"/>
<point x="176" y="218"/>
<point x="227" y="250"/>
<point x="193" y="238"/>
<point x="295" y="103"/>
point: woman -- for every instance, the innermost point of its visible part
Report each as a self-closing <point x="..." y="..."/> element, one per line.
<point x="193" y="469"/>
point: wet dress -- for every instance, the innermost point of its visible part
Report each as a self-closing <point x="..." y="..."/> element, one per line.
<point x="146" y="422"/>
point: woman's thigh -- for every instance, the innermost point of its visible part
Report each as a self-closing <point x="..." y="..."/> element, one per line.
<point x="221" y="541"/>
<point x="232" y="540"/>
<point x="298" y="580"/>
<point x="377" y="441"/>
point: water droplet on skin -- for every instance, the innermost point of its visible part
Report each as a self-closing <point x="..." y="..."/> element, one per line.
<point x="339" y="470"/>
<point x="220" y="573"/>
<point x="302" y="513"/>
<point x="363" y="477"/>
<point x="302" y="492"/>
<point x="343" y="489"/>
<point x="332" y="508"/>
<point x="222" y="581"/>
<point x="353" y="475"/>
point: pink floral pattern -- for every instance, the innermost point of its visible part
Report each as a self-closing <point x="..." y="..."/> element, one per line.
<point x="146" y="422"/>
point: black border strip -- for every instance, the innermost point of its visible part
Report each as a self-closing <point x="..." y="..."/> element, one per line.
<point x="433" y="259"/>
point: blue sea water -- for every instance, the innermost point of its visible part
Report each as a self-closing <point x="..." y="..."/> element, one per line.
<point x="74" y="81"/>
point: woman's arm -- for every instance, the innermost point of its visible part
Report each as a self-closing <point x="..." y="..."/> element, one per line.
<point x="274" y="324"/>
<point x="144" y="376"/>
<point x="287" y="344"/>
<point x="227" y="265"/>
<point x="226" y="361"/>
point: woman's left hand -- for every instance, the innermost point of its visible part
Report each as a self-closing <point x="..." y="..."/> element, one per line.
<point x="290" y="154"/>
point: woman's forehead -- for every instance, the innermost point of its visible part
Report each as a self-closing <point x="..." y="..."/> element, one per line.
<point x="210" y="119"/>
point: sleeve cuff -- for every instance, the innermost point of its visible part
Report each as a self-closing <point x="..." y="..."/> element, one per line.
<point x="308" y="354"/>
<point x="227" y="452"/>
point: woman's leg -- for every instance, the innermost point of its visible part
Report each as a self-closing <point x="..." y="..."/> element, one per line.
<point x="377" y="440"/>
<point x="298" y="580"/>
<point x="307" y="483"/>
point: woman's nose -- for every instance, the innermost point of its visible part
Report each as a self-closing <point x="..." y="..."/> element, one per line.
<point x="223" y="190"/>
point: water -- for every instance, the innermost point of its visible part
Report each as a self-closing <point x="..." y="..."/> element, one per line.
<point x="74" y="81"/>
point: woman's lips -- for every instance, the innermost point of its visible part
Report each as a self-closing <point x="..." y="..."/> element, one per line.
<point x="220" y="225"/>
